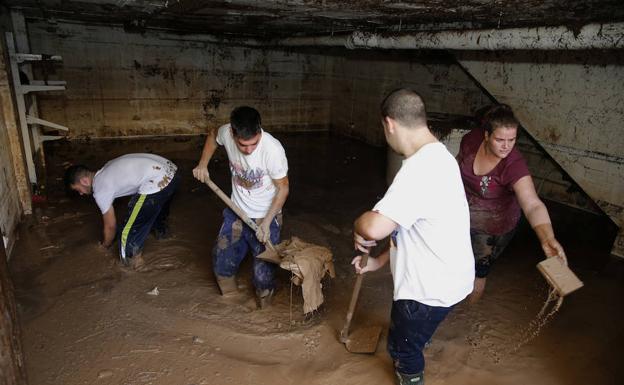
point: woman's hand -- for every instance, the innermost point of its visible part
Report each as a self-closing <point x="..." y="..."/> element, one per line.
<point x="552" y="248"/>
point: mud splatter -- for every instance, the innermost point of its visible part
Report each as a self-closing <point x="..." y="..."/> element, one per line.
<point x="164" y="182"/>
<point x="237" y="230"/>
<point x="222" y="243"/>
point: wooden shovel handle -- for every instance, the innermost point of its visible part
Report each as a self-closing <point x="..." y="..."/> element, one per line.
<point x="344" y="334"/>
<point x="241" y="214"/>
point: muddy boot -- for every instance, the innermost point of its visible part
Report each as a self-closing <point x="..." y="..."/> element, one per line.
<point x="227" y="285"/>
<point x="410" y="379"/>
<point x="265" y="297"/>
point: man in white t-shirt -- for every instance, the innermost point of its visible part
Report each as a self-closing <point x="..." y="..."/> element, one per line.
<point x="426" y="213"/>
<point x="259" y="187"/>
<point x="150" y="179"/>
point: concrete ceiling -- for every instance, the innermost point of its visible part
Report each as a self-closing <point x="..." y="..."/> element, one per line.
<point x="282" y="18"/>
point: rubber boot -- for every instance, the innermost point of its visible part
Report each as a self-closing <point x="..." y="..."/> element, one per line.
<point x="227" y="285"/>
<point x="265" y="297"/>
<point x="410" y="379"/>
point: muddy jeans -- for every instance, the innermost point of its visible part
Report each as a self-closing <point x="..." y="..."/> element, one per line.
<point x="145" y="212"/>
<point x="234" y="241"/>
<point x="486" y="248"/>
<point x="411" y="326"/>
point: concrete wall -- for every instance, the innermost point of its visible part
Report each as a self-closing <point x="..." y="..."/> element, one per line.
<point x="363" y="78"/>
<point x="125" y="84"/>
<point x="551" y="180"/>
<point x="571" y="103"/>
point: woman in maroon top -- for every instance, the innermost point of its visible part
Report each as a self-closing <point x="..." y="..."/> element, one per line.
<point x="498" y="185"/>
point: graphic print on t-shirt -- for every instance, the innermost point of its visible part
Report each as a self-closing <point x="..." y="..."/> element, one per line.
<point x="485" y="183"/>
<point x="248" y="179"/>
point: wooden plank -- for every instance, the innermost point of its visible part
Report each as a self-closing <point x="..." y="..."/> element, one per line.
<point x="559" y="276"/>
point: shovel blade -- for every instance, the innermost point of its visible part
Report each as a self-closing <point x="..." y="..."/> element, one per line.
<point x="363" y="340"/>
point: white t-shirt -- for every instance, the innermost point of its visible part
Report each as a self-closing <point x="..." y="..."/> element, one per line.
<point x="253" y="189"/>
<point x="131" y="174"/>
<point x="433" y="263"/>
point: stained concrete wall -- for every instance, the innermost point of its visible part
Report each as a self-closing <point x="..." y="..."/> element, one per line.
<point x="126" y="84"/>
<point x="363" y="78"/>
<point x="571" y="103"/>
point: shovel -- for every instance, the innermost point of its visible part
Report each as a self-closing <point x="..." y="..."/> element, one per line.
<point x="363" y="340"/>
<point x="270" y="254"/>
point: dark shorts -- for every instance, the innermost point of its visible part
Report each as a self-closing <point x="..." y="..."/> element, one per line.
<point x="234" y="241"/>
<point x="411" y="326"/>
<point x="487" y="248"/>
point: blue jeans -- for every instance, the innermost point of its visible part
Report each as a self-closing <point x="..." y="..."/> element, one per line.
<point x="145" y="212"/>
<point x="411" y="326"/>
<point x="234" y="241"/>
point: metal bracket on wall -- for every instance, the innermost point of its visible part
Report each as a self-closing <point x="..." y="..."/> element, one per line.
<point x="33" y="132"/>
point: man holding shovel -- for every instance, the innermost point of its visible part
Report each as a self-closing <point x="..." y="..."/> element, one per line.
<point x="259" y="187"/>
<point x="426" y="212"/>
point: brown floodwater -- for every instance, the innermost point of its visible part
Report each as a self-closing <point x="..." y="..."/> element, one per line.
<point x="86" y="321"/>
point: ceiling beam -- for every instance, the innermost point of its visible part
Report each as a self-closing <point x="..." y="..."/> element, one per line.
<point x="590" y="36"/>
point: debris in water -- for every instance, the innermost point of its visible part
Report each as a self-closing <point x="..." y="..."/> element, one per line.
<point x="105" y="374"/>
<point x="154" y="291"/>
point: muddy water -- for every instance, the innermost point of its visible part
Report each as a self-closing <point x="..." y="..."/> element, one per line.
<point x="86" y="321"/>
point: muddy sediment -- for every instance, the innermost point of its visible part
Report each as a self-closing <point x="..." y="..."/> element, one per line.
<point x="85" y="320"/>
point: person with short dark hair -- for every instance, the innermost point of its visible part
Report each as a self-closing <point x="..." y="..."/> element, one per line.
<point x="150" y="179"/>
<point x="259" y="187"/>
<point x="425" y="213"/>
<point x="498" y="186"/>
